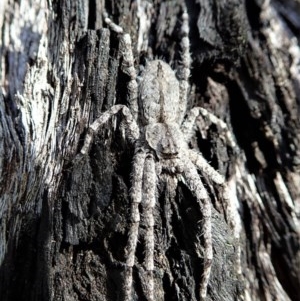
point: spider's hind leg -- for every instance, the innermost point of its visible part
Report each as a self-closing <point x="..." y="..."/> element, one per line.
<point x="127" y="65"/>
<point x="185" y="69"/>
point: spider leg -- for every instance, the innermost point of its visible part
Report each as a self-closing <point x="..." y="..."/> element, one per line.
<point x="196" y="186"/>
<point x="149" y="199"/>
<point x="204" y="166"/>
<point x="231" y="208"/>
<point x="201" y="163"/>
<point x="171" y="186"/>
<point x="113" y="26"/>
<point x="130" y="125"/>
<point x="186" y="65"/>
<point x="136" y="199"/>
<point x="187" y="126"/>
<point x="127" y="65"/>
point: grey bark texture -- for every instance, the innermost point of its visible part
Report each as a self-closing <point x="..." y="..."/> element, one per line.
<point x="64" y="220"/>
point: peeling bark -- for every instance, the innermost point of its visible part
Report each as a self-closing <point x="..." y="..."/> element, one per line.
<point x="64" y="219"/>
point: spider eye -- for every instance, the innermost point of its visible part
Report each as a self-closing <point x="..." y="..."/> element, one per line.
<point x="161" y="138"/>
<point x="168" y="146"/>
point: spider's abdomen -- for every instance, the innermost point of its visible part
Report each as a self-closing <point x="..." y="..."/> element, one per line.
<point x="158" y="94"/>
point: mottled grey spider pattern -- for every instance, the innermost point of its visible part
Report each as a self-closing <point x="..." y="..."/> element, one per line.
<point x="160" y="129"/>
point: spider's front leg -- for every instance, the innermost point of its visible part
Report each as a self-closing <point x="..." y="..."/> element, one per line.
<point x="149" y="200"/>
<point x="196" y="186"/>
<point x="231" y="212"/>
<point x="143" y="192"/>
<point x="203" y="165"/>
<point x="136" y="198"/>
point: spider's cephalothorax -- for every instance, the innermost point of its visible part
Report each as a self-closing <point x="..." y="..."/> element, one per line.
<point x="155" y="124"/>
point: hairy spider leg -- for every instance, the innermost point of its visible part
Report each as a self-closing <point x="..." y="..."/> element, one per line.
<point x="204" y="166"/>
<point x="136" y="199"/>
<point x="231" y="209"/>
<point x="131" y="126"/>
<point x="171" y="185"/>
<point x="114" y="27"/>
<point x="186" y="66"/>
<point x="187" y="126"/>
<point x="199" y="161"/>
<point x="216" y="177"/>
<point x="127" y="65"/>
<point x="148" y="203"/>
<point x="196" y="186"/>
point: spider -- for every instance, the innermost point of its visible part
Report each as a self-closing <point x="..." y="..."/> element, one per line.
<point x="157" y="124"/>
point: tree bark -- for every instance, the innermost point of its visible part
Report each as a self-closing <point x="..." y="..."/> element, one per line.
<point x="65" y="218"/>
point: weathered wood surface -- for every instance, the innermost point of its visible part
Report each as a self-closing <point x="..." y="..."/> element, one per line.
<point x="64" y="220"/>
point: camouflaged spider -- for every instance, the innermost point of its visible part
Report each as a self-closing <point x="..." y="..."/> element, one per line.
<point x="159" y="127"/>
